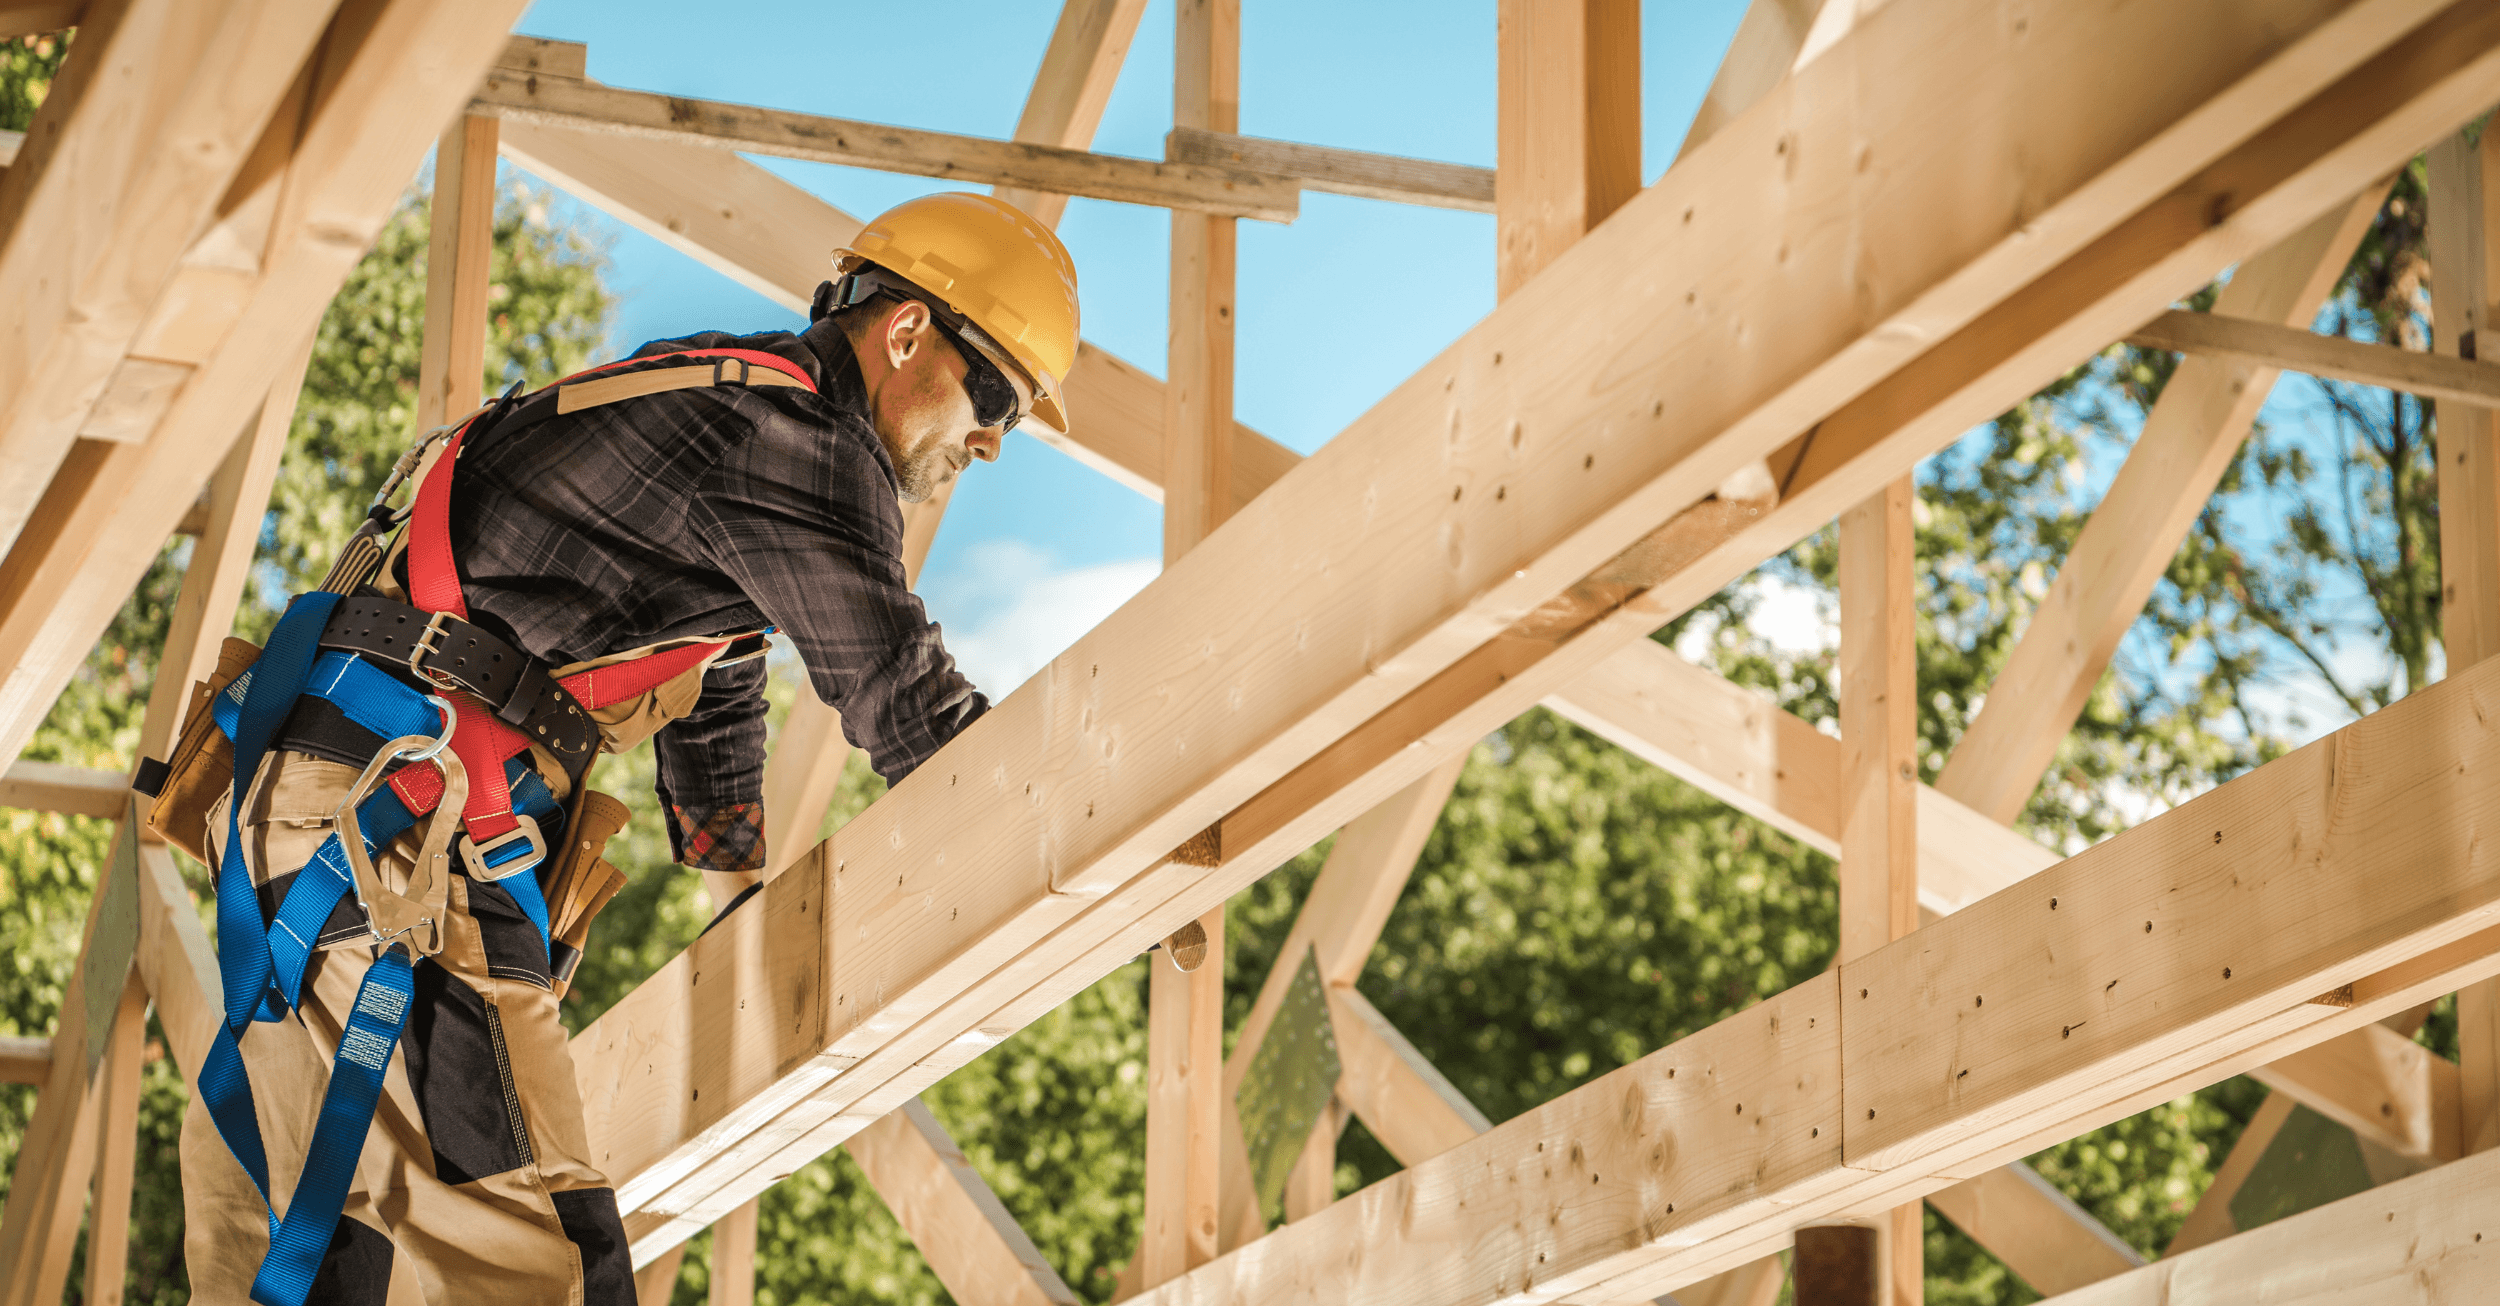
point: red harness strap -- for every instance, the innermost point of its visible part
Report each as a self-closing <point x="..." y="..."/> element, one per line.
<point x="481" y="741"/>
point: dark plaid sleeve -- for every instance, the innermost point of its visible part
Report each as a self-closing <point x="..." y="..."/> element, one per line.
<point x="711" y="764"/>
<point x="803" y="517"/>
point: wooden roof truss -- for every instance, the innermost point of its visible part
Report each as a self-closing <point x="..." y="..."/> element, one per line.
<point x="1889" y="223"/>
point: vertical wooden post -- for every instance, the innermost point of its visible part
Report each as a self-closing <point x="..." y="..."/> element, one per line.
<point x="1185" y="1012"/>
<point x="2465" y="248"/>
<point x="733" y="1259"/>
<point x="1568" y="145"/>
<point x="654" y="1282"/>
<point x="1879" y="793"/>
<point x="116" y="1146"/>
<point x="451" y="369"/>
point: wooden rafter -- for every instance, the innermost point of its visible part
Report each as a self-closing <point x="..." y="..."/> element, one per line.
<point x="2367" y="82"/>
<point x="561" y="102"/>
<point x="1342" y="172"/>
<point x="2455" y="381"/>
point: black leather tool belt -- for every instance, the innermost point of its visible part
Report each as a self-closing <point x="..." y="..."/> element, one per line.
<point x="448" y="653"/>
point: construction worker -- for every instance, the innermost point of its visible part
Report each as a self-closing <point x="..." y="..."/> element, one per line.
<point x="404" y="841"/>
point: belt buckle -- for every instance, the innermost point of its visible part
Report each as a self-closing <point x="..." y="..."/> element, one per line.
<point x="428" y="643"/>
<point x="473" y="854"/>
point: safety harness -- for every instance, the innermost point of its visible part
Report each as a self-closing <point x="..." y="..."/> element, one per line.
<point x="459" y="756"/>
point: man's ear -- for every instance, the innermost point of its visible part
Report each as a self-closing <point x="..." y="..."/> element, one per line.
<point x="906" y="329"/>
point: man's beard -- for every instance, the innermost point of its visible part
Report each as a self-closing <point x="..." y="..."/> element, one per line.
<point x="921" y="476"/>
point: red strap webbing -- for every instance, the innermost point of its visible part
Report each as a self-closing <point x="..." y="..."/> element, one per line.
<point x="481" y="741"/>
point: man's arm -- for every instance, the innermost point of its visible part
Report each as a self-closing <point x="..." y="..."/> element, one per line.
<point x="802" y="516"/>
<point x="711" y="781"/>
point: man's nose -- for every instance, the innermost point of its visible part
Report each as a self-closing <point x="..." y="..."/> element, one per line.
<point x="984" y="443"/>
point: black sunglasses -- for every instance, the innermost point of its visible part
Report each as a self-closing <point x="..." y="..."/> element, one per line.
<point x="993" y="396"/>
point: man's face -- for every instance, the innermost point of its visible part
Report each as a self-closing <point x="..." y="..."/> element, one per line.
<point x="918" y="403"/>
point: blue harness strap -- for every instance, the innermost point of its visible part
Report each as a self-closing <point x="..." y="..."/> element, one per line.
<point x="263" y="968"/>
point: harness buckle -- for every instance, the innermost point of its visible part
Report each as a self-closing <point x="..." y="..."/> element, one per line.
<point x="428" y="643"/>
<point x="474" y="854"/>
<point x="720" y="370"/>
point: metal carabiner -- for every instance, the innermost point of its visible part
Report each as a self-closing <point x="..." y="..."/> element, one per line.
<point x="451" y="724"/>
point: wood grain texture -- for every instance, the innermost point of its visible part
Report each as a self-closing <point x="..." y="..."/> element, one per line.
<point x="1568" y="145"/>
<point x="2035" y="1229"/>
<point x="2381" y="1085"/>
<point x="74" y="790"/>
<point x="975" y="948"/>
<point x="1338" y="171"/>
<point x="2427" y="1239"/>
<point x="971" y="1243"/>
<point x="716" y="124"/>
<point x="2456" y="382"/>
<point x="1408" y="1105"/>
<point x="451" y="367"/>
<point x="1878" y="722"/>
<point x="1072" y="88"/>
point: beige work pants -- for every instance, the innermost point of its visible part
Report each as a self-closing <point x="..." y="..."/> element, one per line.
<point x="475" y="1186"/>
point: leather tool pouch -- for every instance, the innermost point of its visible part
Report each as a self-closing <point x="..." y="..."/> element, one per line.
<point x="582" y="882"/>
<point x="201" y="770"/>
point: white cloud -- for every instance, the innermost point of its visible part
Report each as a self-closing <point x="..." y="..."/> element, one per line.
<point x="1008" y="607"/>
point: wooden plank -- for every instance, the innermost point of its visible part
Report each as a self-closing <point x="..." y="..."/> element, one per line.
<point x="57" y="1154"/>
<point x="1312" y="1184"/>
<point x="586" y="105"/>
<point x="944" y="968"/>
<point x="2211" y="1220"/>
<point x="2455" y="381"/>
<point x="2188" y="441"/>
<point x="732" y="1279"/>
<point x="388" y="74"/>
<point x="1766" y="43"/>
<point x="32" y="17"/>
<point x="1879" y="750"/>
<point x="1073" y="87"/>
<point x="24" y="1059"/>
<point x="2465" y="257"/>
<point x="139" y="138"/>
<point x="1338" y="171"/>
<point x="1569" y="139"/>
<point x="460" y="248"/>
<point x="654" y="1283"/>
<point x="2352" y="853"/>
<point x="972" y="1244"/>
<point x="177" y="962"/>
<point x="2428" y="1238"/>
<point x="71" y="790"/>
<point x="116" y="1146"/>
<point x="2039" y="1232"/>
<point x="2381" y="1085"/>
<point x="1408" y="1105"/>
<point x="1186" y="1106"/>
<point x="1755" y="1283"/>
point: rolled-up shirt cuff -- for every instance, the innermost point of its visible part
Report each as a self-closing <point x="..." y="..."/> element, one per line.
<point x="725" y="838"/>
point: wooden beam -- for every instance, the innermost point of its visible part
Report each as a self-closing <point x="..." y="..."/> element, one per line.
<point x="2211" y="1220"/>
<point x="2039" y="1232"/>
<point x="176" y="961"/>
<point x="1756" y="1283"/>
<point x="2465" y="258"/>
<point x="460" y="249"/>
<point x="34" y="17"/>
<point x="1186" y="1106"/>
<point x="1341" y="172"/>
<point x="654" y="1283"/>
<point x="2379" y="1084"/>
<point x="1407" y="1104"/>
<point x="2455" y="381"/>
<point x="70" y="790"/>
<point x="126" y="161"/>
<point x="24" y="1059"/>
<point x="2428" y="1238"/>
<point x="1879" y="751"/>
<point x="1765" y="46"/>
<point x="2189" y="439"/>
<point x="732" y="1280"/>
<point x="57" y="1155"/>
<point x="116" y="1145"/>
<point x="970" y="1241"/>
<point x="388" y="73"/>
<point x="944" y="967"/>
<point x="586" y="105"/>
<point x="1073" y="87"/>
<point x="1569" y="145"/>
<point x="2350" y="854"/>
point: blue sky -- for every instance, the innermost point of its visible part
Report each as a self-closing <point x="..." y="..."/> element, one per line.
<point x="1335" y="309"/>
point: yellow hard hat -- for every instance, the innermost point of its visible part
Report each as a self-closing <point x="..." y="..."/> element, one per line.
<point x="992" y="263"/>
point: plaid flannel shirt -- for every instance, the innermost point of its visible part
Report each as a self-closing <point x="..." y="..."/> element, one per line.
<point x="706" y="512"/>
